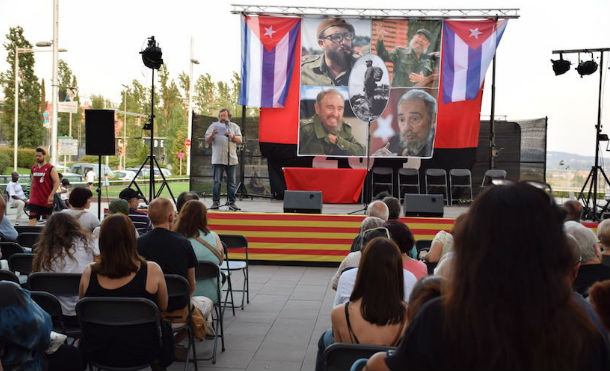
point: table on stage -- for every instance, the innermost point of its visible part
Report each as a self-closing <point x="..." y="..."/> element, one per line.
<point x="338" y="186"/>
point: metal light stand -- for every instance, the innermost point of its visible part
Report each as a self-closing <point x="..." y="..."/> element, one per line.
<point x="368" y="173"/>
<point x="590" y="212"/>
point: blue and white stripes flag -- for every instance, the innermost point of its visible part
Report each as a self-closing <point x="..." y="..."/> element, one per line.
<point x="468" y="49"/>
<point x="268" y="52"/>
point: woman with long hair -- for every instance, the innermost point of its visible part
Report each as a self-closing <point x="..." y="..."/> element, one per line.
<point x="64" y="247"/>
<point x="376" y="313"/>
<point x="508" y="303"/>
<point x="193" y="224"/>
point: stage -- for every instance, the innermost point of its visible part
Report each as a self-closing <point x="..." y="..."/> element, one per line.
<point x="321" y="238"/>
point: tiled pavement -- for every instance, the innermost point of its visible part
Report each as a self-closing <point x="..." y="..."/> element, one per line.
<point x="279" y="330"/>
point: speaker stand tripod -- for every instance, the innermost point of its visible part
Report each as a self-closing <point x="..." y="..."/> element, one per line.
<point x="152" y="159"/>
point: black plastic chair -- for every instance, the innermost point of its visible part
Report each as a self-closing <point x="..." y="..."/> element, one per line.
<point x="341" y="356"/>
<point x="10" y="248"/>
<point x="50" y="304"/>
<point x="459" y="179"/>
<point x="421" y="245"/>
<point x="110" y="325"/>
<point x="386" y="174"/>
<point x="236" y="242"/>
<point x="28" y="228"/>
<point x="179" y="296"/>
<point x="206" y="270"/>
<point x="28" y="239"/>
<point x="435" y="179"/>
<point x="21" y="263"/>
<point x="408" y="180"/>
<point x="9" y="276"/>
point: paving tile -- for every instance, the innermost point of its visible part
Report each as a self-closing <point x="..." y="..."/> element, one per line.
<point x="280" y="351"/>
<point x="290" y="331"/>
<point x="300" y="309"/>
<point x="257" y="365"/>
<point x="308" y="292"/>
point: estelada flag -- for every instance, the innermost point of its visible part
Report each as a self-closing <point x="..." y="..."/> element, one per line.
<point x="269" y="46"/>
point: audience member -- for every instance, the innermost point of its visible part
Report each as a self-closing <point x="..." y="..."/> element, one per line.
<point x="7" y="231"/>
<point x="61" y="194"/>
<point x="424" y="290"/>
<point x="599" y="296"/>
<point x="172" y="251"/>
<point x="393" y="205"/>
<point x="375" y="312"/>
<point x="183" y="198"/>
<point x="121" y="272"/>
<point x="441" y="244"/>
<point x="114" y="207"/>
<point x="193" y="224"/>
<point x="80" y="202"/>
<point x="352" y="260"/>
<point x="64" y="247"/>
<point x="16" y="196"/>
<point x="402" y="236"/>
<point x="369" y="222"/>
<point x="133" y="199"/>
<point x="573" y="209"/>
<point x="492" y="285"/>
<point x="378" y="209"/>
<point x="348" y="280"/>
<point x="25" y="335"/>
<point x="603" y="234"/>
<point x="381" y="195"/>
<point x="591" y="268"/>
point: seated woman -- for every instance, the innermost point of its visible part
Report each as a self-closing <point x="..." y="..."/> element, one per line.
<point x="80" y="201"/>
<point x="121" y="272"/>
<point x="64" y="247"/>
<point x="402" y="236"/>
<point x="499" y="310"/>
<point x="193" y="224"/>
<point x="441" y="245"/>
<point x="603" y="234"/>
<point x="376" y="313"/>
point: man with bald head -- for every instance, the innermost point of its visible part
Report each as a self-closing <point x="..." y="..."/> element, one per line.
<point x="169" y="249"/>
<point x="378" y="209"/>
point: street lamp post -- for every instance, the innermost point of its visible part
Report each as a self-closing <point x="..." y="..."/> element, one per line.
<point x="125" y="126"/>
<point x="54" y="84"/>
<point x="189" y="124"/>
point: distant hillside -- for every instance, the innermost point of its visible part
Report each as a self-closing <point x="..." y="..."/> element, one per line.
<point x="575" y="162"/>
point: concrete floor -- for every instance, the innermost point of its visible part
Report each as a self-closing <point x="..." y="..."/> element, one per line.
<point x="279" y="330"/>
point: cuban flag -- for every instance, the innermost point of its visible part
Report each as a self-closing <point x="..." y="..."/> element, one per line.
<point x="468" y="49"/>
<point x="269" y="45"/>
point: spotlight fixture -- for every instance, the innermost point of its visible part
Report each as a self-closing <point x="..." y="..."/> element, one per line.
<point x="151" y="56"/>
<point x="561" y="66"/>
<point x="586" y="67"/>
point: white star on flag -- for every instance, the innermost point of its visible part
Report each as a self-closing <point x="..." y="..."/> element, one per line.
<point x="269" y="31"/>
<point x="384" y="128"/>
<point x="474" y="32"/>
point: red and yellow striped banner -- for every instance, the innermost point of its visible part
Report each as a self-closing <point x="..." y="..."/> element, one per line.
<point x="306" y="237"/>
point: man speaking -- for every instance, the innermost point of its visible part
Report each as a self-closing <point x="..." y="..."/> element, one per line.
<point x="224" y="136"/>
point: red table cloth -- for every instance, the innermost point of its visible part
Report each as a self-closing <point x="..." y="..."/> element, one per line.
<point x="338" y="186"/>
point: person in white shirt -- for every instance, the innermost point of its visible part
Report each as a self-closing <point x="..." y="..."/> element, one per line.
<point x="16" y="196"/>
<point x="90" y="178"/>
<point x="80" y="201"/>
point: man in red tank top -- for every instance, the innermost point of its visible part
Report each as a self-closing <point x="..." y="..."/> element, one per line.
<point x="44" y="183"/>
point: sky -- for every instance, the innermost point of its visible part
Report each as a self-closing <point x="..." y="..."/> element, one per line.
<point x="103" y="39"/>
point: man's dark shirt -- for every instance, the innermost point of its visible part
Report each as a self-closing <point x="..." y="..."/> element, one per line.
<point x="588" y="274"/>
<point x="171" y="251"/>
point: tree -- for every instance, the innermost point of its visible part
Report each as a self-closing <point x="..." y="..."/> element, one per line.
<point x="31" y="131"/>
<point x="204" y="97"/>
<point x="68" y="91"/>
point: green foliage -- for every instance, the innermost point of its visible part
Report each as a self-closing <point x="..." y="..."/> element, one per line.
<point x="31" y="130"/>
<point x="25" y="156"/>
<point x="5" y="162"/>
<point x="67" y="81"/>
<point x="113" y="161"/>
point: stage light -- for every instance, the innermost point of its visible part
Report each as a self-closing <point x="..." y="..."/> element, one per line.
<point x="151" y="56"/>
<point x="586" y="68"/>
<point x="561" y="66"/>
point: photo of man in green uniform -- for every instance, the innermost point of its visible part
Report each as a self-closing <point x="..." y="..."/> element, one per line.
<point x="327" y="133"/>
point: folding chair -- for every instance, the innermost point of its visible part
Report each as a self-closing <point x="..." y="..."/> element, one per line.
<point x="50" y="304"/>
<point x="179" y="295"/>
<point x="492" y="174"/>
<point x="459" y="179"/>
<point x="10" y="248"/>
<point x="28" y="239"/>
<point x="387" y="178"/>
<point x="341" y="356"/>
<point x="437" y="178"/>
<point x="207" y="270"/>
<point x="421" y="245"/>
<point x="113" y="327"/>
<point x="28" y="228"/>
<point x="239" y="243"/>
<point x="21" y="262"/>
<point x="408" y="178"/>
<point x="9" y="276"/>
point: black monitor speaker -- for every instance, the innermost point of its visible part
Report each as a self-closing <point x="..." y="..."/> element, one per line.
<point x="423" y="205"/>
<point x="99" y="131"/>
<point x="303" y="202"/>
